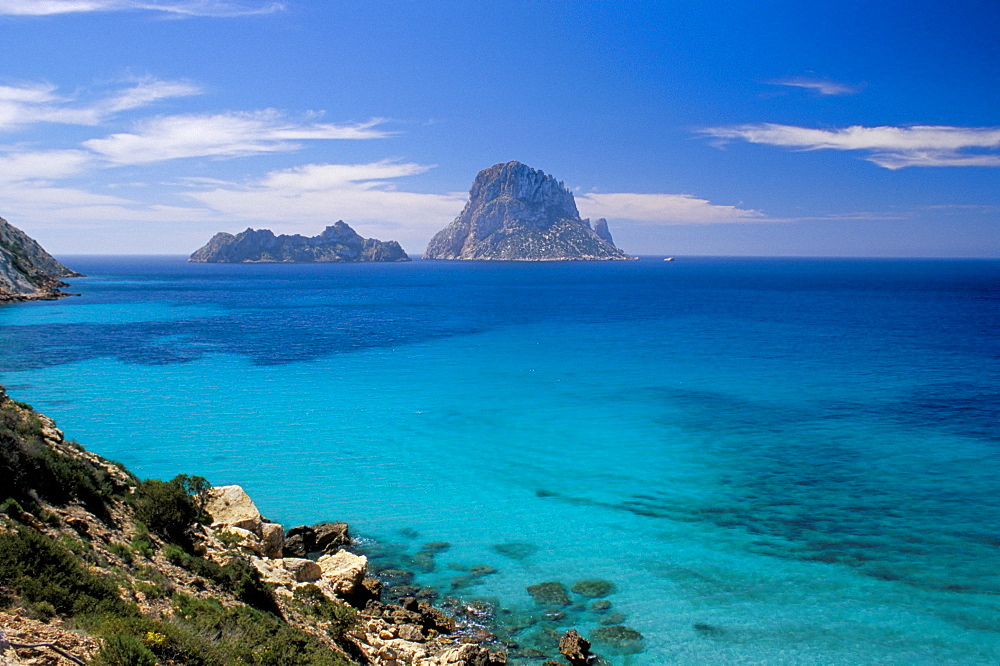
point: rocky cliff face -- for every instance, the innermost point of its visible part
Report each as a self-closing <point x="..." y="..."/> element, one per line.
<point x="27" y="272"/>
<point x="602" y="231"/>
<point x="338" y="243"/>
<point x="521" y="214"/>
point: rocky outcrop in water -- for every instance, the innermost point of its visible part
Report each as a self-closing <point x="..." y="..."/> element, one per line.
<point x="517" y="213"/>
<point x="27" y="272"/>
<point x="338" y="243"/>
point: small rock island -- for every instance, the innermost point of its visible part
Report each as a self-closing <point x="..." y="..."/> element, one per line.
<point x="27" y="272"/>
<point x="338" y="243"/>
<point x="516" y="213"/>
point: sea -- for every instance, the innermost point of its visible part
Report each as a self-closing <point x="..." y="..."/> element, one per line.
<point x="751" y="460"/>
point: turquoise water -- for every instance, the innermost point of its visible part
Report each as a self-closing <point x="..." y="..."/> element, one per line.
<point x="773" y="461"/>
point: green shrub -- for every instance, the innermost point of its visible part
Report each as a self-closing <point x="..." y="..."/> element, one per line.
<point x="122" y="551"/>
<point x="30" y="465"/>
<point x="176" y="555"/>
<point x="169" y="641"/>
<point x="124" y="650"/>
<point x="12" y="508"/>
<point x="166" y="508"/>
<point x="39" y="569"/>
<point x="247" y="635"/>
<point x="311" y="600"/>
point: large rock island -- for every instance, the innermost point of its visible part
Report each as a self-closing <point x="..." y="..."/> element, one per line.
<point x="337" y="243"/>
<point x="517" y="213"/>
<point x="27" y="272"/>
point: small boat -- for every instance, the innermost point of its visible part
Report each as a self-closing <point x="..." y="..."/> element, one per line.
<point x="669" y="259"/>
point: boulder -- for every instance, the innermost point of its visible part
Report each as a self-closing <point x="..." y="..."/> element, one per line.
<point x="300" y="541"/>
<point x="271" y="571"/>
<point x="331" y="536"/>
<point x="230" y="505"/>
<point x="344" y="571"/>
<point x="302" y="570"/>
<point x="272" y="538"/>
<point x="575" y="648"/>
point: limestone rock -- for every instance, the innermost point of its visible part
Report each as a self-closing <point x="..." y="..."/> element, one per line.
<point x="272" y="571"/>
<point x="302" y="570"/>
<point x="230" y="505"/>
<point x="517" y="213"/>
<point x="338" y="243"/>
<point x="575" y="648"/>
<point x="27" y="272"/>
<point x="343" y="571"/>
<point x="272" y="538"/>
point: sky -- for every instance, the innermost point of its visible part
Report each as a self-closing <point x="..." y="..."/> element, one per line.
<point x="695" y="127"/>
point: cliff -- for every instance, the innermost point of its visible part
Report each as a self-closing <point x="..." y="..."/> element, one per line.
<point x="27" y="272"/>
<point x="521" y="214"/>
<point x="100" y="567"/>
<point x="337" y="243"/>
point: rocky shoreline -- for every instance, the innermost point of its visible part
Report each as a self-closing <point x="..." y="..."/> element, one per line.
<point x="155" y="553"/>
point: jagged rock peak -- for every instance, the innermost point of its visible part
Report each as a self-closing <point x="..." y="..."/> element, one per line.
<point x="28" y="272"/>
<point x="521" y="214"/>
<point x="601" y="229"/>
<point x="337" y="243"/>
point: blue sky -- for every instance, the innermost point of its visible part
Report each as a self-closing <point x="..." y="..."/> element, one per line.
<point x="746" y="128"/>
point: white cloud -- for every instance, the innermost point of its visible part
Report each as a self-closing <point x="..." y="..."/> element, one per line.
<point x="42" y="165"/>
<point x="220" y="135"/>
<point x="822" y="86"/>
<point x="38" y="102"/>
<point x="175" y="7"/>
<point x="662" y="209"/>
<point x="307" y="197"/>
<point x="887" y="146"/>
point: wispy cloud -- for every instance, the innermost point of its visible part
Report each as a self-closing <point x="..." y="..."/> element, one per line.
<point x="221" y="135"/>
<point x="42" y="165"/>
<point x="887" y="146"/>
<point x="219" y="8"/>
<point x="662" y="209"/>
<point x="31" y="103"/>
<point x="821" y="86"/>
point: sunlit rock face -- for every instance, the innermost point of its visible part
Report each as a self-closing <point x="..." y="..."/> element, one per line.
<point x="517" y="213"/>
<point x="27" y="272"/>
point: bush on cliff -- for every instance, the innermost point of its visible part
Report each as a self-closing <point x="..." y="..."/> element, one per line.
<point x="170" y="508"/>
<point x="32" y="470"/>
<point x="45" y="574"/>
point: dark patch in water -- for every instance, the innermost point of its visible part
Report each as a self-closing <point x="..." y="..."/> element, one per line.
<point x="516" y="550"/>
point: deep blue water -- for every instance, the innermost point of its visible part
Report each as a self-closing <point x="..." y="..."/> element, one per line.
<point x="773" y="460"/>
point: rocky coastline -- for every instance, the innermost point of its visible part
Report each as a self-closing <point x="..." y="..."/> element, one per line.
<point x="158" y="557"/>
<point x="28" y="272"/>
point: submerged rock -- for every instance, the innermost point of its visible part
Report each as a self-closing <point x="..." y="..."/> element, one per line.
<point x="517" y="213"/>
<point x="549" y="594"/>
<point x="621" y="638"/>
<point x="593" y="588"/>
<point x="516" y="550"/>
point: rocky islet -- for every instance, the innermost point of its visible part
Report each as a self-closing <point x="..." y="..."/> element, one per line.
<point x="338" y="243"/>
<point x="517" y="213"/>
